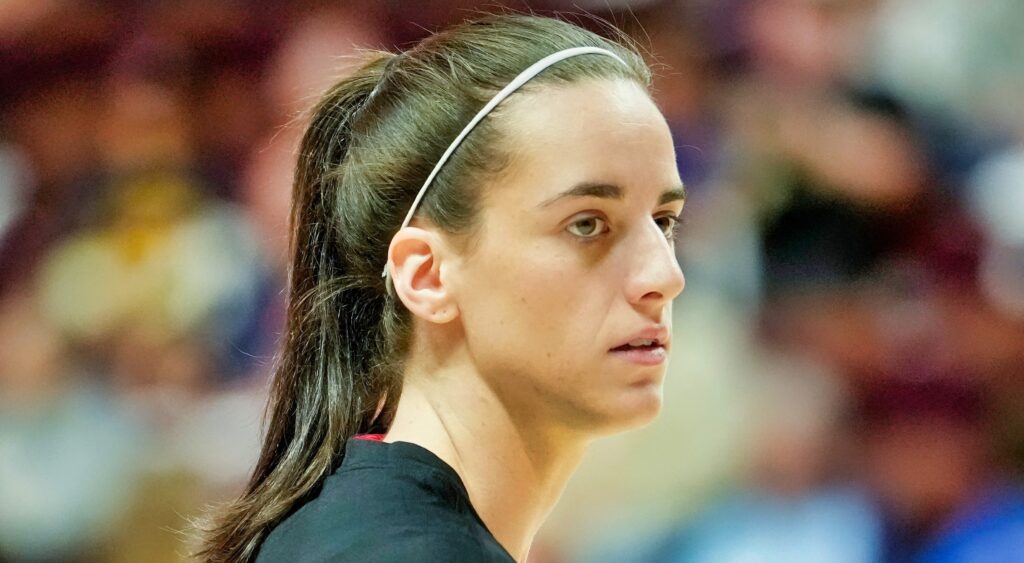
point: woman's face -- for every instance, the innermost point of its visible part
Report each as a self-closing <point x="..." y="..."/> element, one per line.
<point x="557" y="281"/>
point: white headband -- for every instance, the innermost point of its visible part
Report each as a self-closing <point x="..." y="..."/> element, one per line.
<point x="505" y="92"/>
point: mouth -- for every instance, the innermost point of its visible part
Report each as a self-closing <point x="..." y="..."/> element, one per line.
<point x="648" y="339"/>
<point x="648" y="345"/>
<point x="646" y="354"/>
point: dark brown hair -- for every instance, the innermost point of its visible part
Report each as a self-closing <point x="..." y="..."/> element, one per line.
<point x="370" y="144"/>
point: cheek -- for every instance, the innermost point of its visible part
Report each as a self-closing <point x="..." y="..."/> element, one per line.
<point x="537" y="302"/>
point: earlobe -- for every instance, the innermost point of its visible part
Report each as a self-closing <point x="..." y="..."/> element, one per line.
<point x="416" y="258"/>
<point x="443" y="315"/>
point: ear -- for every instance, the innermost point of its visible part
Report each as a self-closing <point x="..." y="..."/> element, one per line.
<point x="417" y="263"/>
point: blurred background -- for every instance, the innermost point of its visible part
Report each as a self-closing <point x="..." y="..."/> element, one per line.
<point x="847" y="380"/>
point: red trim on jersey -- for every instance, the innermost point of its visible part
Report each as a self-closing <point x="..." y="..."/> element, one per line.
<point x="374" y="437"/>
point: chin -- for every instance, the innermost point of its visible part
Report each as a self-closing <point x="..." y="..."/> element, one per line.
<point x="635" y="408"/>
<point x="648" y="405"/>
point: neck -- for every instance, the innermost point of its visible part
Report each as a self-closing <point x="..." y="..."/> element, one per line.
<point x="514" y="466"/>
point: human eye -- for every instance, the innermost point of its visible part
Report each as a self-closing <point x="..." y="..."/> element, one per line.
<point x="670" y="226"/>
<point x="590" y="227"/>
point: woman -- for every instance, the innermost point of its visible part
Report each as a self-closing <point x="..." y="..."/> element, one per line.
<point x="435" y="413"/>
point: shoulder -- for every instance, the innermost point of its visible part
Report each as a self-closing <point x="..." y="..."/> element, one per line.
<point x="376" y="516"/>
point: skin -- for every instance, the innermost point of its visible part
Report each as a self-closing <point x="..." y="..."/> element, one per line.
<point x="510" y="375"/>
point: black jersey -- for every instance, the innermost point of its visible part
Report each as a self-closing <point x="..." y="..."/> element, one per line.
<point x="386" y="502"/>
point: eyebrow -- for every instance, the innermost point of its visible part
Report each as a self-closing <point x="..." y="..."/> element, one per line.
<point x="611" y="191"/>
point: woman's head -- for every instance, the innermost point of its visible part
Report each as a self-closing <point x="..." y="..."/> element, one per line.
<point x="493" y="265"/>
<point x="572" y="258"/>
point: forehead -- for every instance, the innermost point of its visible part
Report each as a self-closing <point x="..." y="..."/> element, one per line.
<point x="591" y="131"/>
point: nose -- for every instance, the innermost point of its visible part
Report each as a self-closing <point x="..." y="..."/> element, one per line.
<point x="655" y="276"/>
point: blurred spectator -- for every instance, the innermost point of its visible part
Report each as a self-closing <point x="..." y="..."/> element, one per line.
<point x="931" y="460"/>
<point x="795" y="502"/>
<point x="321" y="47"/>
<point x="161" y="261"/>
<point x="68" y="451"/>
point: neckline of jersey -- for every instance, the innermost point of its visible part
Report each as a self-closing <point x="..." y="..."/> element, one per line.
<point x="360" y="450"/>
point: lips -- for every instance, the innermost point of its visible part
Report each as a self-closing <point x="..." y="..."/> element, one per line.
<point x="648" y="338"/>
<point x="646" y="347"/>
<point x="626" y="347"/>
<point x="653" y="355"/>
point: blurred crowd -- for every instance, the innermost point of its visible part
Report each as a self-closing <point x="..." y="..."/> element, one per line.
<point x="848" y="383"/>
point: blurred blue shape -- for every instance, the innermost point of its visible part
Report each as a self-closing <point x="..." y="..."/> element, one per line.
<point x="990" y="529"/>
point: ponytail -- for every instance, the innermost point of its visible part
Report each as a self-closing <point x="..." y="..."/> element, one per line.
<point x="323" y="391"/>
